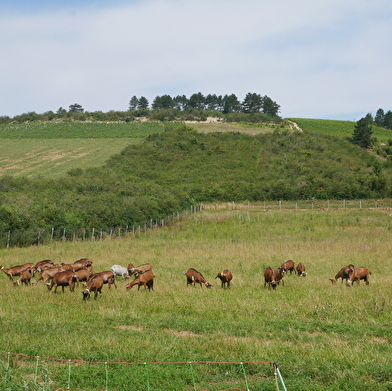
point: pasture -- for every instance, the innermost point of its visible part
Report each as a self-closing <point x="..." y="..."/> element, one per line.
<point x="323" y="336"/>
<point x="337" y="128"/>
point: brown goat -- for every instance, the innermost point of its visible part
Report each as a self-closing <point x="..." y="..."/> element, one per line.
<point x="288" y="265"/>
<point x="269" y="278"/>
<point x="25" y="277"/>
<point x="108" y="277"/>
<point x="279" y="274"/>
<point x="84" y="274"/>
<point x="343" y="273"/>
<point x="95" y="285"/>
<point x="139" y="269"/>
<point x="146" y="278"/>
<point x="301" y="270"/>
<point x="361" y="273"/>
<point x="16" y="271"/>
<point x="47" y="274"/>
<point x="225" y="278"/>
<point x="41" y="265"/>
<point x="65" y="278"/>
<point x="194" y="277"/>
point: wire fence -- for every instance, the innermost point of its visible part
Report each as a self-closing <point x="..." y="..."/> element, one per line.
<point x="53" y="374"/>
<point x="44" y="236"/>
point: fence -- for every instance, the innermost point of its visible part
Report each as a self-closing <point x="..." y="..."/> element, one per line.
<point x="33" y="371"/>
<point x="44" y="236"/>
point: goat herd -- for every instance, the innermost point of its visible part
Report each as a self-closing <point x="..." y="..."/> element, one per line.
<point x="81" y="271"/>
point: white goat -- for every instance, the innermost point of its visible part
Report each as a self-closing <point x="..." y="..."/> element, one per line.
<point x="120" y="271"/>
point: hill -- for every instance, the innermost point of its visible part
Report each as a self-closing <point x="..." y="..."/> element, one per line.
<point x="179" y="167"/>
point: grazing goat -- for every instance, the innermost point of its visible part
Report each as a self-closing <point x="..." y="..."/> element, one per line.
<point x="16" y="271"/>
<point x="301" y="270"/>
<point x="108" y="277"/>
<point x="95" y="285"/>
<point x="193" y="277"/>
<point x="361" y="273"/>
<point x="273" y="277"/>
<point x="65" y="278"/>
<point x="47" y="274"/>
<point x="25" y="277"/>
<point x="225" y="278"/>
<point x="120" y="271"/>
<point x="269" y="278"/>
<point x="288" y="265"/>
<point x="343" y="273"/>
<point x="82" y="263"/>
<point x="146" y="278"/>
<point x="139" y="269"/>
<point x="41" y="265"/>
<point x="84" y="274"/>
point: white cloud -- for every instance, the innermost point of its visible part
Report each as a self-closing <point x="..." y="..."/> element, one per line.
<point x="319" y="59"/>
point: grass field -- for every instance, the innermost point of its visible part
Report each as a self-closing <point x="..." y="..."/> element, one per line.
<point x="337" y="128"/>
<point x="323" y="336"/>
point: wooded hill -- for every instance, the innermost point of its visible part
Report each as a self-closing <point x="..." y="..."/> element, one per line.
<point x="180" y="167"/>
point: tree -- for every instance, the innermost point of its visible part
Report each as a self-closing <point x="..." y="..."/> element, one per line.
<point x="180" y="102"/>
<point x="388" y="120"/>
<point x="379" y="118"/>
<point x="76" y="108"/>
<point x="231" y="103"/>
<point x="252" y="103"/>
<point x="269" y="106"/>
<point x="61" y="111"/>
<point x="197" y="101"/>
<point x="362" y="135"/>
<point x="143" y="103"/>
<point x="133" y="103"/>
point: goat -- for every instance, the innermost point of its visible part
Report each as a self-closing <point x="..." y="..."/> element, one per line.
<point x="361" y="273"/>
<point x="25" y="277"/>
<point x="108" y="277"/>
<point x="272" y="277"/>
<point x="83" y="274"/>
<point x="65" y="278"/>
<point x="288" y="265"/>
<point x="146" y="278"/>
<point x="139" y="269"/>
<point x="301" y="270"/>
<point x="41" y="265"/>
<point x="225" y="278"/>
<point x="82" y="263"/>
<point x="95" y="285"/>
<point x="47" y="274"/>
<point x="193" y="277"/>
<point x="343" y="273"/>
<point x="120" y="271"/>
<point x="269" y="278"/>
<point x="16" y="271"/>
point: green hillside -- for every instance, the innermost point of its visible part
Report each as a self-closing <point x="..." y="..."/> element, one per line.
<point x="177" y="168"/>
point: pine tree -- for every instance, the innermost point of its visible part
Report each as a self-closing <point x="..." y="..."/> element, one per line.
<point x="362" y="135"/>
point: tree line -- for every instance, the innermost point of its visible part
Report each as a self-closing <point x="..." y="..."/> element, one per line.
<point x="252" y="103"/>
<point x="253" y="108"/>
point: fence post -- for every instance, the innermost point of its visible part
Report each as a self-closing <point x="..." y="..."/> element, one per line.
<point x="69" y="374"/>
<point x="148" y="378"/>
<point x="193" y="376"/>
<point x="36" y="370"/>
<point x="246" y="380"/>
<point x="107" y="378"/>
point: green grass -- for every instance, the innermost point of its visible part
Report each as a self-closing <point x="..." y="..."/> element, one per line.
<point x="323" y="336"/>
<point x="338" y="128"/>
<point x="53" y="158"/>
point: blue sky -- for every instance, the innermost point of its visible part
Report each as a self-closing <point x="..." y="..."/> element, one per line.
<point x="324" y="59"/>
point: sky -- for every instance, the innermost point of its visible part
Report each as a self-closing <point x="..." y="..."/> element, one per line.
<point x="328" y="59"/>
